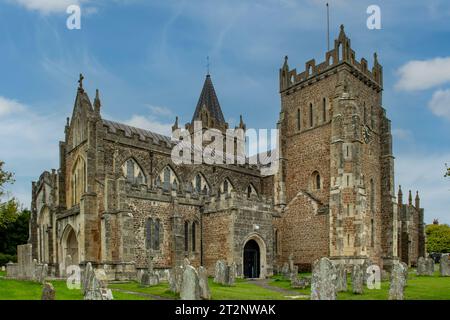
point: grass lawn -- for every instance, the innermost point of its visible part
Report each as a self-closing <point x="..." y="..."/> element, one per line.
<point x="418" y="288"/>
<point x="242" y="290"/>
<point x="29" y="290"/>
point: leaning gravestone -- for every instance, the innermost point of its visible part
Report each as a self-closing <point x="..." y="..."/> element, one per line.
<point x="88" y="275"/>
<point x="205" y="293"/>
<point x="176" y="278"/>
<point x="98" y="287"/>
<point x="48" y="292"/>
<point x="220" y="275"/>
<point x="357" y="279"/>
<point x="397" y="286"/>
<point x="444" y="267"/>
<point x="341" y="285"/>
<point x="190" y="287"/>
<point x="323" y="282"/>
<point x="42" y="276"/>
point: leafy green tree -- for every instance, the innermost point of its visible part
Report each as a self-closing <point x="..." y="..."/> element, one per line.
<point x="438" y="238"/>
<point x="9" y="208"/>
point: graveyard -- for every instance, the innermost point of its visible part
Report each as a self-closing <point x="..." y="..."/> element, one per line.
<point x="427" y="287"/>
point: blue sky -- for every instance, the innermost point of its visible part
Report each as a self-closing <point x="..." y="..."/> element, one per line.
<point x="148" y="59"/>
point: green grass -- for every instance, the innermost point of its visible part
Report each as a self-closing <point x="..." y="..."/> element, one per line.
<point x="418" y="288"/>
<point x="29" y="290"/>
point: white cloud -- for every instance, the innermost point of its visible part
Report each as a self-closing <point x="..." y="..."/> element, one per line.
<point x="160" y="111"/>
<point x="425" y="173"/>
<point x="440" y="103"/>
<point x="28" y="144"/>
<point x="424" y="74"/>
<point x="149" y="123"/>
<point x="48" y="6"/>
<point x="8" y="106"/>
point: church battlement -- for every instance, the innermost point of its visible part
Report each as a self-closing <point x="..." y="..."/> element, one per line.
<point x="342" y="53"/>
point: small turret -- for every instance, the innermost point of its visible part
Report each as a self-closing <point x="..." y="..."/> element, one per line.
<point x="97" y="102"/>
<point x="175" y="125"/>
<point x="417" y="200"/>
<point x="400" y="195"/>
<point x="410" y="198"/>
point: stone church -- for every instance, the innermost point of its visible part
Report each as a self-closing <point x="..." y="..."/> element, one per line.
<point x="118" y="198"/>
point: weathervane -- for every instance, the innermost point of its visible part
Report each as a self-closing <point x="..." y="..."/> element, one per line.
<point x="81" y="81"/>
<point x="207" y="65"/>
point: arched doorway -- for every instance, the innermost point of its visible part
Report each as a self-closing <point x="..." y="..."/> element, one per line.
<point x="70" y="245"/>
<point x="252" y="259"/>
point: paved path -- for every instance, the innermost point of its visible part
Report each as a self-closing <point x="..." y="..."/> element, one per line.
<point x="264" y="283"/>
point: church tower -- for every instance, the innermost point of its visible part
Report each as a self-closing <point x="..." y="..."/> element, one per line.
<point x="335" y="183"/>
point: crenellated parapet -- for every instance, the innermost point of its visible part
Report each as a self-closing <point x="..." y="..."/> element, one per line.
<point x="342" y="53"/>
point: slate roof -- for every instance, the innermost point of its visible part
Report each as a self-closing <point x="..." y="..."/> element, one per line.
<point x="129" y="131"/>
<point x="209" y="99"/>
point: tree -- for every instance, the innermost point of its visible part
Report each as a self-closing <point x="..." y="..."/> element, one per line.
<point x="438" y="238"/>
<point x="9" y="208"/>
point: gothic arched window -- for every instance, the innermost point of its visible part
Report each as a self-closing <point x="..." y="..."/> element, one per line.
<point x="251" y="191"/>
<point x="194" y="235"/>
<point x="148" y="233"/>
<point x="153" y="232"/>
<point x="78" y="180"/>
<point x="133" y="172"/>
<point x="311" y="115"/>
<point x="226" y="186"/>
<point x="316" y="181"/>
<point x="168" y="179"/>
<point x="200" y="184"/>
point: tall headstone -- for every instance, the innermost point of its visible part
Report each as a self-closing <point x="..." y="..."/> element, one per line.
<point x="397" y="286"/>
<point x="285" y="270"/>
<point x="367" y="263"/>
<point x="357" y="279"/>
<point x="88" y="276"/>
<point x="220" y="275"/>
<point x="291" y="262"/>
<point x="98" y="287"/>
<point x="421" y="266"/>
<point x="3" y="268"/>
<point x="190" y="287"/>
<point x="429" y="266"/>
<point x="231" y="274"/>
<point x="48" y="292"/>
<point x="323" y="282"/>
<point x="405" y="270"/>
<point x="176" y="278"/>
<point x="205" y="293"/>
<point x="444" y="268"/>
<point x="43" y="274"/>
<point x="341" y="285"/>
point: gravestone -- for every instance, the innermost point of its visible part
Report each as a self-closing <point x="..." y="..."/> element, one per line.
<point x="397" y="286"/>
<point x="367" y="263"/>
<point x="421" y="266"/>
<point x="139" y="274"/>
<point x="190" y="287"/>
<point x="220" y="275"/>
<point x="405" y="270"/>
<point x="357" y="279"/>
<point x="48" y="292"/>
<point x="98" y="286"/>
<point x="291" y="262"/>
<point x="176" y="278"/>
<point x="186" y="262"/>
<point x="68" y="262"/>
<point x="385" y="275"/>
<point x="285" y="270"/>
<point x="341" y="285"/>
<point x="231" y="274"/>
<point x="300" y="283"/>
<point x="205" y="293"/>
<point x="88" y="275"/>
<point x="429" y="266"/>
<point x="3" y="268"/>
<point x="42" y="277"/>
<point x="323" y="281"/>
<point x="149" y="277"/>
<point x="444" y="268"/>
